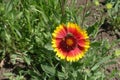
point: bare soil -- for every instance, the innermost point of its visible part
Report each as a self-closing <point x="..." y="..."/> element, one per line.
<point x="107" y="33"/>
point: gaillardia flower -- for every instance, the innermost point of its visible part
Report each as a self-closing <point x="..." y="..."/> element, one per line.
<point x="70" y="42"/>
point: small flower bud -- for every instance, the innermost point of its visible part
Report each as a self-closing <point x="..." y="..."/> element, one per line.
<point x="96" y="2"/>
<point x="108" y="5"/>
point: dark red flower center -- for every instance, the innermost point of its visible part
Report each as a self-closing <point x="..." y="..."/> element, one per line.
<point x="68" y="43"/>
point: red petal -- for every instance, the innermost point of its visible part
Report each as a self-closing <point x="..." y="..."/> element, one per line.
<point x="61" y="33"/>
<point x="74" y="52"/>
<point x="81" y="42"/>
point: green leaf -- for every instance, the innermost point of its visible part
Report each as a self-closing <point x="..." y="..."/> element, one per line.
<point x="107" y="44"/>
<point x="18" y="33"/>
<point x="44" y="16"/>
<point x="34" y="75"/>
<point x="8" y="74"/>
<point x="8" y="37"/>
<point x="27" y="60"/>
<point x="61" y="75"/>
<point x="9" y="6"/>
<point x="74" y="74"/>
<point x="48" y="69"/>
<point x="97" y="65"/>
<point x="91" y="29"/>
<point x="48" y="46"/>
<point x="87" y="14"/>
<point x="18" y="16"/>
<point x="95" y="44"/>
<point x="13" y="58"/>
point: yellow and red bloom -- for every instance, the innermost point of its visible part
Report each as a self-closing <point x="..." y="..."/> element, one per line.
<point x="70" y="42"/>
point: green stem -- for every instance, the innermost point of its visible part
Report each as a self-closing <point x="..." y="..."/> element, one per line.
<point x="62" y="6"/>
<point x="84" y="11"/>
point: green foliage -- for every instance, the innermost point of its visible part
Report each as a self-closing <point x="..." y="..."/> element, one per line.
<point x="114" y="15"/>
<point x="25" y="35"/>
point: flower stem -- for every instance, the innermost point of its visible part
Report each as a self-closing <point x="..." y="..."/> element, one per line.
<point x="84" y="11"/>
<point x="62" y="5"/>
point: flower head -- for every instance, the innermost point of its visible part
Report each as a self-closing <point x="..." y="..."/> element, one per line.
<point x="70" y="42"/>
<point x="96" y="2"/>
<point x="108" y="5"/>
